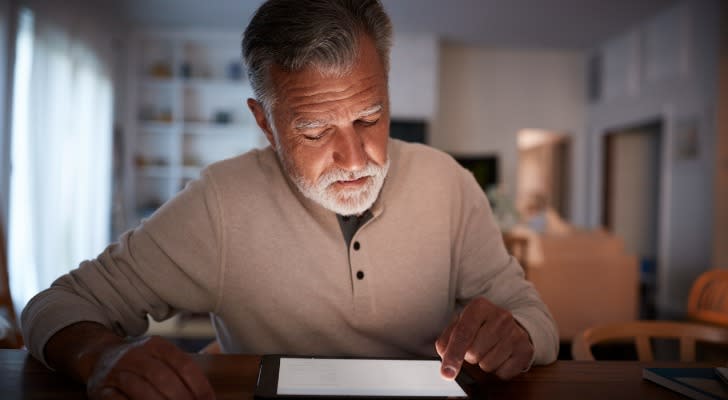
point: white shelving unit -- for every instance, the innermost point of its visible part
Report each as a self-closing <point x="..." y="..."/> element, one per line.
<point x="186" y="109"/>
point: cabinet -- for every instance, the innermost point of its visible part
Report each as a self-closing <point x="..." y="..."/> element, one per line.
<point x="186" y="109"/>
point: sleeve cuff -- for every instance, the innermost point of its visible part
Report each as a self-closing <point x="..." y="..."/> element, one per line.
<point x="40" y="322"/>
<point x="545" y="349"/>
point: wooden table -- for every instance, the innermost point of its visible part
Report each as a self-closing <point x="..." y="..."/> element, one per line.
<point x="234" y="377"/>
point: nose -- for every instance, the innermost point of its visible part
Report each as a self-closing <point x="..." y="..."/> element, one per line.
<point x="349" y="152"/>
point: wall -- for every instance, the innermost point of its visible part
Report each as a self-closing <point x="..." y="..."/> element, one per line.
<point x="488" y="95"/>
<point x="413" y="74"/>
<point x="665" y="69"/>
<point x="720" y="227"/>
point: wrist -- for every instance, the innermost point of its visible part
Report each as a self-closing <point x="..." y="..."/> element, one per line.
<point x="88" y="357"/>
<point x="75" y="349"/>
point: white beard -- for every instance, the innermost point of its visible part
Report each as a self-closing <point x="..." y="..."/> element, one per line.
<point x="341" y="201"/>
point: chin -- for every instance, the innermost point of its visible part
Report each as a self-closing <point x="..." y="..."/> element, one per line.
<point x="352" y="205"/>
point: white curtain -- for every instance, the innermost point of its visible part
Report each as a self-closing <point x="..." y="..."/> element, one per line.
<point x="60" y="181"/>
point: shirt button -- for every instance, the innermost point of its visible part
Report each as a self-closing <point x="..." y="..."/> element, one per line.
<point x="357" y="246"/>
<point x="360" y="275"/>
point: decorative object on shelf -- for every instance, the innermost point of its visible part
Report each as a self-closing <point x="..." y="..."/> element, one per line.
<point x="186" y="113"/>
<point x="235" y="70"/>
<point x="165" y="115"/>
<point x="149" y="208"/>
<point x="222" y="117"/>
<point x="191" y="161"/>
<point x="142" y="161"/>
<point x="185" y="70"/>
<point x="161" y="70"/>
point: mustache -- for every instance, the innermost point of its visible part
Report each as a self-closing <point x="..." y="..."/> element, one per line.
<point x="338" y="174"/>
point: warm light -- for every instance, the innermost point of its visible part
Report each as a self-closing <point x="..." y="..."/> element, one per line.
<point x="530" y="138"/>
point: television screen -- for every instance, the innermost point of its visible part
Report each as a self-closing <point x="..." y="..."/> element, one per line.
<point x="484" y="169"/>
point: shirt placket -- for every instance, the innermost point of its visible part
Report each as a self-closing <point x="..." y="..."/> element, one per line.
<point x="361" y="274"/>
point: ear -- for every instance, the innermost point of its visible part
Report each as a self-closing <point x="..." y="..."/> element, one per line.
<point x="260" y="118"/>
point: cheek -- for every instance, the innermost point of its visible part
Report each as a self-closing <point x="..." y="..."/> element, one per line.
<point x="310" y="162"/>
<point x="376" y="146"/>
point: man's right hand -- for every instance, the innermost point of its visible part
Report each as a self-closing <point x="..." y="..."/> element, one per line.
<point x="148" y="368"/>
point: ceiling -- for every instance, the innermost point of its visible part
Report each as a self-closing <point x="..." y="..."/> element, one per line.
<point x="554" y="24"/>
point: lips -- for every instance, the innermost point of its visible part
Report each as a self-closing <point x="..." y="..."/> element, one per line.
<point x="354" y="182"/>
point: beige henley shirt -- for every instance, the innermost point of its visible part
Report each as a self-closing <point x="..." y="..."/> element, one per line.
<point x="270" y="266"/>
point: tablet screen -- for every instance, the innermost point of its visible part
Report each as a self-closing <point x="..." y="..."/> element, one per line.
<point x="364" y="377"/>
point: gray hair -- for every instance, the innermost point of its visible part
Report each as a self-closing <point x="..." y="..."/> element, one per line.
<point x="324" y="34"/>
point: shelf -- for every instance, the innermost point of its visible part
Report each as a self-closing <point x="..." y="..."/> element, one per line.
<point x="183" y="85"/>
<point x="214" y="83"/>
<point x="206" y="128"/>
<point x="159" y="126"/>
<point x="160" y="83"/>
<point x="155" y="171"/>
<point x="194" y="83"/>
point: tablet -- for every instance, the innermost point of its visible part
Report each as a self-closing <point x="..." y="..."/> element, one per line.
<point x="284" y="376"/>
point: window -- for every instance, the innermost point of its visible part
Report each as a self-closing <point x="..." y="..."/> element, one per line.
<point x="60" y="153"/>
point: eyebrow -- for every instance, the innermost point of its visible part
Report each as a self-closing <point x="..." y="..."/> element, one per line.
<point x="310" y="124"/>
<point x="371" y="110"/>
<point x="304" y="124"/>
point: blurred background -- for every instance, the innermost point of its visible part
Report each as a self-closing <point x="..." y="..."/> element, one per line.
<point x="597" y="129"/>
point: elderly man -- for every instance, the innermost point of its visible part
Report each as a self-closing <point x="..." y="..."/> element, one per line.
<point x="335" y="240"/>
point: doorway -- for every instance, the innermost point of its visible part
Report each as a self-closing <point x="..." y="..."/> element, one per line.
<point x="544" y="165"/>
<point x="631" y="202"/>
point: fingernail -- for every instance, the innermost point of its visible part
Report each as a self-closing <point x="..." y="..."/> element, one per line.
<point x="449" y="372"/>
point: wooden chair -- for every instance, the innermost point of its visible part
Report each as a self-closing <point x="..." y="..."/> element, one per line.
<point x="642" y="331"/>
<point x="708" y="300"/>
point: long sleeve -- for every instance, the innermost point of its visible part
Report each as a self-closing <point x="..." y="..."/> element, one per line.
<point x="486" y="269"/>
<point x="170" y="262"/>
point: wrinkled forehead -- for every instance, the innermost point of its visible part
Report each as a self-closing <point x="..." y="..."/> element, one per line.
<point x="310" y="96"/>
<point x="363" y="84"/>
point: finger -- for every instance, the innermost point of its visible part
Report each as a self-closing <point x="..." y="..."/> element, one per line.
<point x="441" y="342"/>
<point x="484" y="341"/>
<point x="498" y="355"/>
<point x="514" y="345"/>
<point x="499" y="327"/>
<point x="513" y="367"/>
<point x="186" y="369"/>
<point x="462" y="336"/>
<point x="134" y="386"/>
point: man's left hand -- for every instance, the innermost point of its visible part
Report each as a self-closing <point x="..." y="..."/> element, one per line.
<point x="486" y="335"/>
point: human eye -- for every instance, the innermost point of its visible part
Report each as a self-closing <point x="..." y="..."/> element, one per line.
<point x="315" y="137"/>
<point x="367" y="121"/>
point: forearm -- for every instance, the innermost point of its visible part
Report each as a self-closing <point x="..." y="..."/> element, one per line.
<point x="74" y="350"/>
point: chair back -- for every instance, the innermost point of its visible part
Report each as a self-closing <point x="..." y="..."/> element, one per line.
<point x="708" y="300"/>
<point x="641" y="333"/>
